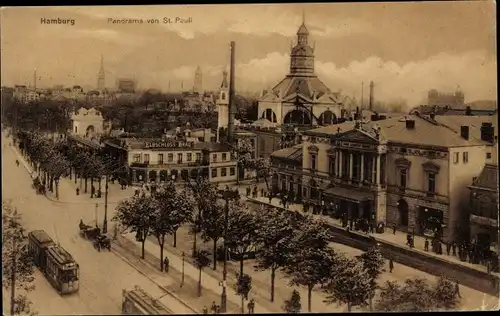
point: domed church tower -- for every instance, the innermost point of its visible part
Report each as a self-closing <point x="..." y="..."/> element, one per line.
<point x="302" y="55"/>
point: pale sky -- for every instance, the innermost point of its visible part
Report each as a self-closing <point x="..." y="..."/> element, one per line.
<point x="405" y="48"/>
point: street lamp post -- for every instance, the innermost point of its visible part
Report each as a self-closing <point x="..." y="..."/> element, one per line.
<point x="96" y="206"/>
<point x="183" y="259"/>
<point x="105" y="223"/>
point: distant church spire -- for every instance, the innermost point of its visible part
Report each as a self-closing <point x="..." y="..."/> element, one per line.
<point x="101" y="77"/>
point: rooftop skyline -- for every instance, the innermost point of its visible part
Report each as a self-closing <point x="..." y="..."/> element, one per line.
<point x="405" y="48"/>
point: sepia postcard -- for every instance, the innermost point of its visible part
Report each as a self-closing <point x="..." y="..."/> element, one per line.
<point x="250" y="158"/>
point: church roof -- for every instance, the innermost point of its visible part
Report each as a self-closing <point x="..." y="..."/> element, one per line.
<point x="488" y="178"/>
<point x="309" y="87"/>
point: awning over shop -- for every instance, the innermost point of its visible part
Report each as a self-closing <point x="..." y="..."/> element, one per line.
<point x="353" y="195"/>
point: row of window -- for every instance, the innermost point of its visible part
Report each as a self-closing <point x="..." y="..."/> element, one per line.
<point x="223" y="172"/>
<point x="170" y="158"/>
<point x="465" y="157"/>
<point x="138" y="158"/>
<point x="431" y="180"/>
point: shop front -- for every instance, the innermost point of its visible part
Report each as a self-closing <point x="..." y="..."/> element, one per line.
<point x="430" y="222"/>
<point x="350" y="204"/>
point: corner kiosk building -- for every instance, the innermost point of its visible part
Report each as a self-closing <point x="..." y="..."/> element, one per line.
<point x="138" y="302"/>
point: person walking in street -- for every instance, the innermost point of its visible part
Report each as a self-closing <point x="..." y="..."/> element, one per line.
<point x="454" y="248"/>
<point x="391" y="266"/>
<point x="205" y="310"/>
<point x="457" y="289"/>
<point x="426" y="245"/>
<point x="448" y="248"/>
<point x="217" y="309"/>
<point x="77" y="191"/>
<point x="92" y="192"/>
<point x="166" y="263"/>
<point x="394" y="229"/>
<point x="248" y="191"/>
<point x="262" y="192"/>
<point x="213" y="308"/>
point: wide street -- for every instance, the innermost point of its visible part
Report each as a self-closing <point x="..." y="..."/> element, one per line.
<point x="103" y="275"/>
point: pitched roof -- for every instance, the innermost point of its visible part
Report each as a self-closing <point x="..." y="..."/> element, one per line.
<point x="488" y="178"/>
<point x="310" y="87"/>
<point x="394" y="130"/>
<point x="455" y="122"/>
<point x="293" y="153"/>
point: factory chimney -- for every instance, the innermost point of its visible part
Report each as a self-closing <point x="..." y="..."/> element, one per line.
<point x="371" y="96"/>
<point x="34" y="79"/>
<point x="232" y="110"/>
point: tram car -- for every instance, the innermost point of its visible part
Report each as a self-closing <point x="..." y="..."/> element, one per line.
<point x="54" y="262"/>
<point x="139" y="302"/>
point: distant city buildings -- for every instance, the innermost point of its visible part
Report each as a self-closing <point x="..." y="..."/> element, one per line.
<point x="439" y="99"/>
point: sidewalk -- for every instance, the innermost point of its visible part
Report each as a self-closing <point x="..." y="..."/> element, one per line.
<point x="398" y="239"/>
<point x="208" y="282"/>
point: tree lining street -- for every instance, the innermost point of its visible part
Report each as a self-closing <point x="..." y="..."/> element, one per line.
<point x="102" y="274"/>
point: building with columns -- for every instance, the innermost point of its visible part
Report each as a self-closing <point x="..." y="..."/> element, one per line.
<point x="407" y="171"/>
<point x="301" y="98"/>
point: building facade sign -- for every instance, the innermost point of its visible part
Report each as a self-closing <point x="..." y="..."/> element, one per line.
<point x="170" y="144"/>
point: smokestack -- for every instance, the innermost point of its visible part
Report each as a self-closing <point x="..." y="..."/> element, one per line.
<point x="371" y="96"/>
<point x="362" y="93"/>
<point x="34" y="79"/>
<point x="230" y="122"/>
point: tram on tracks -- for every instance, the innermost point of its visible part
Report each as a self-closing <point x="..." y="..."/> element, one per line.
<point x="54" y="262"/>
<point x="139" y="302"/>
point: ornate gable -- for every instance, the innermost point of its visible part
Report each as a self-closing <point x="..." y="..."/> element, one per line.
<point x="313" y="149"/>
<point x="429" y="166"/>
<point x="356" y="136"/>
<point x="403" y="163"/>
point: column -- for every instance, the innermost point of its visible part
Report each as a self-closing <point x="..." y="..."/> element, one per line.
<point x="158" y="176"/>
<point x="351" y="158"/>
<point x="340" y="164"/>
<point x="374" y="168"/>
<point x="362" y="168"/>
<point x="378" y="169"/>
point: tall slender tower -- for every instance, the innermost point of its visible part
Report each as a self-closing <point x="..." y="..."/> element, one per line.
<point x="232" y="106"/>
<point x="197" y="88"/>
<point x="34" y="79"/>
<point x="101" y="76"/>
<point x="223" y="104"/>
<point x="370" y="105"/>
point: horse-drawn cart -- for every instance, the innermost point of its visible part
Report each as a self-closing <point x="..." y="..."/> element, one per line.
<point x="94" y="234"/>
<point x="102" y="242"/>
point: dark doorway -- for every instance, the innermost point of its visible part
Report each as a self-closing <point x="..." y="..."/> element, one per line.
<point x="403" y="212"/>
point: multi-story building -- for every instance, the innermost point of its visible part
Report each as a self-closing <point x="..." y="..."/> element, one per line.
<point x="406" y="171"/>
<point x="484" y="211"/>
<point x="443" y="99"/>
<point x="177" y="158"/>
<point x="482" y="127"/>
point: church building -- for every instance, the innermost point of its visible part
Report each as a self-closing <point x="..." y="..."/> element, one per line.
<point x="301" y="98"/>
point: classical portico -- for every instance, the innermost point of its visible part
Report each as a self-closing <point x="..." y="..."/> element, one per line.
<point x="356" y="167"/>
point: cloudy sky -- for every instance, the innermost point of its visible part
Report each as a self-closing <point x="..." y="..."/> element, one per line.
<point x="405" y="48"/>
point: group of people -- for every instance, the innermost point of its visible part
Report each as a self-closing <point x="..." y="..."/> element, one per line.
<point x="215" y="308"/>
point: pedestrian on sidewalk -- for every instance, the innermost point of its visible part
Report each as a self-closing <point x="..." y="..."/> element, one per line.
<point x="457" y="289"/>
<point x="394" y="229"/>
<point x="262" y="192"/>
<point x="166" y="262"/>
<point x="391" y="266"/>
<point x="217" y="309"/>
<point x="92" y="192"/>
<point x="77" y="191"/>
<point x="251" y="306"/>
<point x="213" y="308"/>
<point x="448" y="248"/>
<point x="205" y="310"/>
<point x="426" y="245"/>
